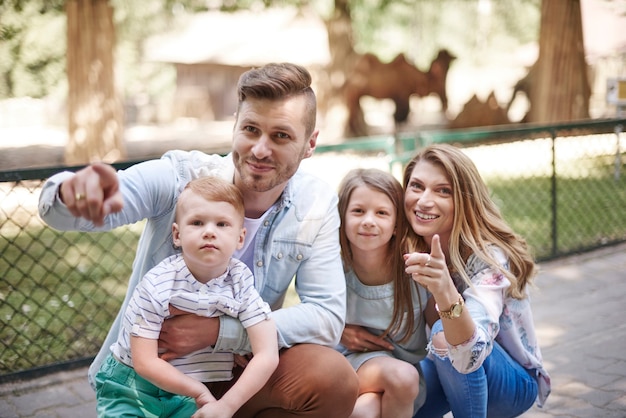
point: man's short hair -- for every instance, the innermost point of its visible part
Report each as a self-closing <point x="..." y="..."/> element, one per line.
<point x="279" y="81"/>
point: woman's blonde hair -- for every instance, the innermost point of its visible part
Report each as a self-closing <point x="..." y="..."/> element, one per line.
<point x="477" y="220"/>
<point x="387" y="184"/>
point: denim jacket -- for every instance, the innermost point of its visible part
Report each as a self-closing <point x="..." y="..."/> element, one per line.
<point x="298" y="238"/>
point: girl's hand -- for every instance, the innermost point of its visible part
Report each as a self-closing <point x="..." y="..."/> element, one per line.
<point x="358" y="339"/>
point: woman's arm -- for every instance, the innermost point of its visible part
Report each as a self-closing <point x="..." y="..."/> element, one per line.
<point x="431" y="271"/>
<point x="467" y="339"/>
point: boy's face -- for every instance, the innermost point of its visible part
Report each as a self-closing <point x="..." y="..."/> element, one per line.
<point x="208" y="232"/>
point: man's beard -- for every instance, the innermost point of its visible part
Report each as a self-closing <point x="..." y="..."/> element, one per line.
<point x="262" y="183"/>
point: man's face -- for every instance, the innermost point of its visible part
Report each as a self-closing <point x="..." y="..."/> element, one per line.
<point x="269" y="141"/>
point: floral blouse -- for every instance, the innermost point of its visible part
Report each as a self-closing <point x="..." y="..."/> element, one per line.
<point x="498" y="317"/>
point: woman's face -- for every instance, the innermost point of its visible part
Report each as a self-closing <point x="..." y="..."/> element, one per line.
<point x="429" y="202"/>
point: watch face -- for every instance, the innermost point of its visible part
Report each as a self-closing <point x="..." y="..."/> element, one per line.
<point x="456" y="310"/>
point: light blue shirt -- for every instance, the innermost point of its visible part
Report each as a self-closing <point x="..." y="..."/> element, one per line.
<point x="299" y="237"/>
<point x="372" y="307"/>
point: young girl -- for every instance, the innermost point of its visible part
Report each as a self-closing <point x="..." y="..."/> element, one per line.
<point x="484" y="357"/>
<point x="384" y="338"/>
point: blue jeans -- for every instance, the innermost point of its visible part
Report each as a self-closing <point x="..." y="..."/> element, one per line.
<point x="500" y="388"/>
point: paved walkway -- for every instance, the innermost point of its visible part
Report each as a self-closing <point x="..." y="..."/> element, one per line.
<point x="580" y="313"/>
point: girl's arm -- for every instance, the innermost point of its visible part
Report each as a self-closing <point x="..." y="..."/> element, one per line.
<point x="147" y="364"/>
<point x="264" y="342"/>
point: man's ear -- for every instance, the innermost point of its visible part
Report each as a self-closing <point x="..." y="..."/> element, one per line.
<point x="312" y="143"/>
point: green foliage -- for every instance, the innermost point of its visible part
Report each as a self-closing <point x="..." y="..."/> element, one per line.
<point x="33" y="45"/>
<point x="420" y="28"/>
<point x="33" y="35"/>
<point x="32" y="48"/>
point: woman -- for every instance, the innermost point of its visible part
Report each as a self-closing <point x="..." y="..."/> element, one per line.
<point x="484" y="359"/>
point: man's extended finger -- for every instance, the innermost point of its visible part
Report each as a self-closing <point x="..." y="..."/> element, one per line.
<point x="107" y="175"/>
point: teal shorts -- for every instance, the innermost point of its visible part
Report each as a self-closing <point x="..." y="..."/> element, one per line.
<point x="121" y="392"/>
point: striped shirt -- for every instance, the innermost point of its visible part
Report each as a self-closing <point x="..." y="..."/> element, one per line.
<point x="171" y="283"/>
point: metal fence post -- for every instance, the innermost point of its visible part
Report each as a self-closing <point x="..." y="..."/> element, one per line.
<point x="554" y="206"/>
<point x="618" y="152"/>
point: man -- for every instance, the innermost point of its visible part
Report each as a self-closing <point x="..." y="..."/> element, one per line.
<point x="292" y="224"/>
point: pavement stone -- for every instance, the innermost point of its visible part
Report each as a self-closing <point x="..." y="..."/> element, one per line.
<point x="579" y="318"/>
<point x="579" y="314"/>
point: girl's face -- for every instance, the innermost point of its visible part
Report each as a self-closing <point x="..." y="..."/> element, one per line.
<point x="370" y="220"/>
<point x="429" y="203"/>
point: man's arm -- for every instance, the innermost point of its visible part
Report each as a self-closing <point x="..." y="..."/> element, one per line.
<point x="185" y="333"/>
<point x="321" y="286"/>
<point x="311" y="252"/>
<point x="108" y="199"/>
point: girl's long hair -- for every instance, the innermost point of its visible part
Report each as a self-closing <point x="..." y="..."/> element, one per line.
<point x="387" y="184"/>
<point x="477" y="220"/>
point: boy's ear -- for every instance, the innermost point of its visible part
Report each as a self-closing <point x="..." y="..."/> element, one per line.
<point x="175" y="235"/>
<point x="242" y="238"/>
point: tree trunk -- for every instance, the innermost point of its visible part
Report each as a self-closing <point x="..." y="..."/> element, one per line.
<point x="560" y="90"/>
<point x="95" y="113"/>
<point x="342" y="55"/>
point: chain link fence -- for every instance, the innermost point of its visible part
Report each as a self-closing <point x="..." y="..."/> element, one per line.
<point x="60" y="291"/>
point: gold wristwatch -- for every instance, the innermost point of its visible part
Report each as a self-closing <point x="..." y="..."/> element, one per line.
<point x="455" y="310"/>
